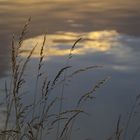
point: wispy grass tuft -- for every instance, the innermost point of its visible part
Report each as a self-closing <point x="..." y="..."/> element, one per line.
<point x="37" y="119"/>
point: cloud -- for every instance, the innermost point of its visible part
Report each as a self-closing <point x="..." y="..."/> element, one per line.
<point x="109" y="42"/>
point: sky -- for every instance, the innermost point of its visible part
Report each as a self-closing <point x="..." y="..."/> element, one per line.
<point x="111" y="33"/>
<point x="52" y="16"/>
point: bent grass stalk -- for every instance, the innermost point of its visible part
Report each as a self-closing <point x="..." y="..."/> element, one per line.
<point x="38" y="74"/>
<point x="63" y="85"/>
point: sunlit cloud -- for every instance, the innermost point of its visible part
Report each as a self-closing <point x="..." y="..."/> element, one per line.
<point x="59" y="44"/>
<point x="118" y="47"/>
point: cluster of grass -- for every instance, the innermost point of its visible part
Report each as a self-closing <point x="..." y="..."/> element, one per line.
<point x="35" y="121"/>
<point x="122" y="130"/>
<point x="38" y="119"/>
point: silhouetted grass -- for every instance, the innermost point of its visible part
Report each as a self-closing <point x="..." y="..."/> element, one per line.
<point x="34" y="121"/>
